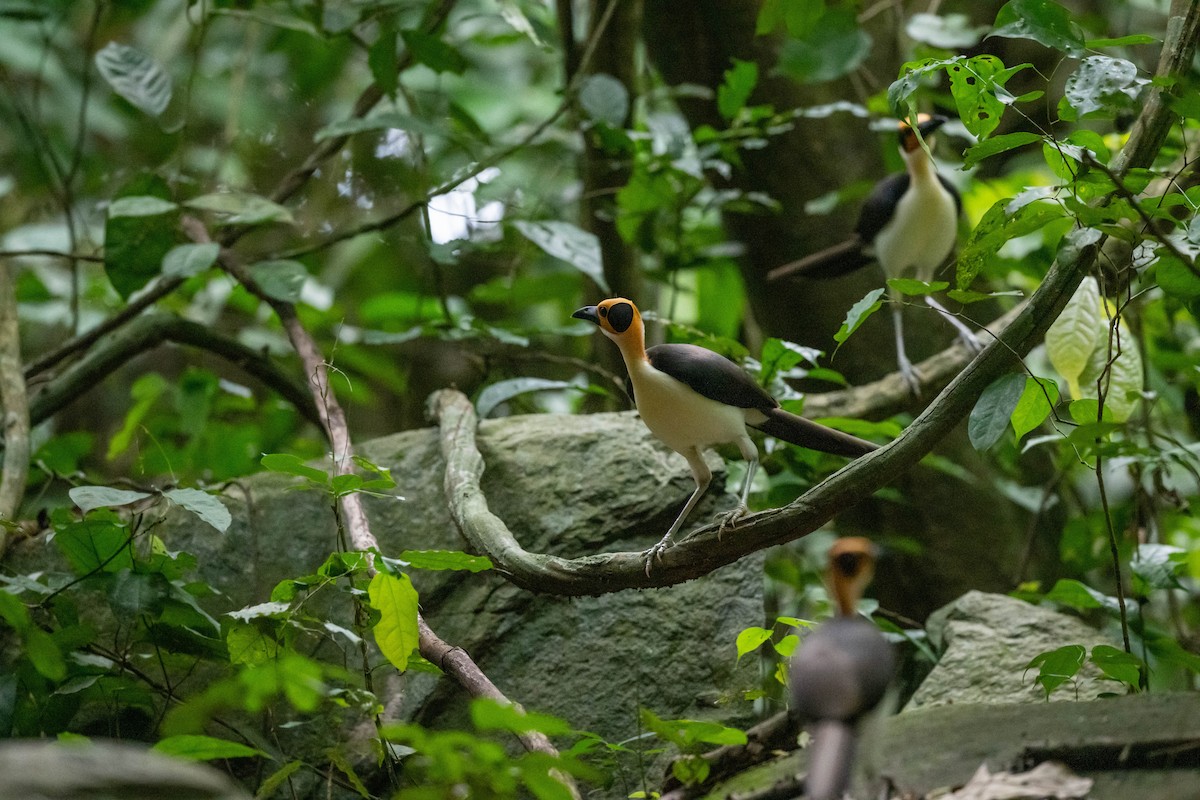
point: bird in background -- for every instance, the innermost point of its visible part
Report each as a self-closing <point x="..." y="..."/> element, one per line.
<point x="909" y="225"/>
<point x="692" y="398"/>
<point x="841" y="671"/>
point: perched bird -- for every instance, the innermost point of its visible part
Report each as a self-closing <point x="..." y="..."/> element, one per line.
<point x="909" y="225"/>
<point x="691" y="398"/>
<point x="841" y="671"/>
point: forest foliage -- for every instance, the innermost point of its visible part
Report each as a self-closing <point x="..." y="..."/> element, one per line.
<point x="412" y="185"/>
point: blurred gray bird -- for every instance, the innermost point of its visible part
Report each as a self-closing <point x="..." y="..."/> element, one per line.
<point x="841" y="671"/>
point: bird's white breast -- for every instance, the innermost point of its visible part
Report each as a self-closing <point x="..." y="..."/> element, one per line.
<point x="678" y="415"/>
<point x="921" y="234"/>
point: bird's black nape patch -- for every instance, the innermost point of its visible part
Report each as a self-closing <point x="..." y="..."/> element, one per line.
<point x="620" y="316"/>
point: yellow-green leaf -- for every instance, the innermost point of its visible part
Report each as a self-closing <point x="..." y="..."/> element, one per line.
<point x="1073" y="337"/>
<point x="394" y="597"/>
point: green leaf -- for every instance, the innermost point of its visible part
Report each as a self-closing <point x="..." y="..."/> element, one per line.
<point x="1117" y="352"/>
<point x="786" y="646"/>
<point x="14" y="612"/>
<point x="339" y="760"/>
<point x="132" y="593"/>
<point x="91" y="545"/>
<point x="91" y="497"/>
<point x="1158" y="565"/>
<point x="146" y="392"/>
<point x="914" y="288"/>
<point x="834" y="46"/>
<point x="134" y="246"/>
<point x="140" y="206"/>
<point x="43" y="653"/>
<point x="994" y="409"/>
<point x="1043" y="21"/>
<point x="604" y="99"/>
<point x="1122" y="41"/>
<point x="383" y="120"/>
<point x="858" y="314"/>
<point x="394" y="597"/>
<point x="568" y="242"/>
<point x="203" y="505"/>
<point x="281" y="279"/>
<point x="1118" y="665"/>
<point x="1074" y="594"/>
<point x="186" y="260"/>
<point x="1077" y="332"/>
<point x="997" y="144"/>
<point x="1056" y="667"/>
<point x="1177" y="278"/>
<point x="382" y="60"/>
<point x="690" y="769"/>
<point x="735" y="90"/>
<point x="289" y="464"/>
<point x="977" y="85"/>
<point x="242" y="208"/>
<point x="433" y="52"/>
<point x="1037" y="401"/>
<point x="998" y="227"/>
<point x="445" y="559"/>
<point x="946" y="31"/>
<point x="492" y="715"/>
<point x="276" y="779"/>
<point x="503" y="391"/>
<point x="751" y="639"/>
<point x="248" y="645"/>
<point x="1103" y="84"/>
<point x="135" y="76"/>
<point x="204" y="748"/>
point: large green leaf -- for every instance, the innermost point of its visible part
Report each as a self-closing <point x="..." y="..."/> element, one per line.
<point x="1056" y="667"/>
<point x="135" y="76"/>
<point x="445" y="559"/>
<point x="997" y="144"/>
<point x="1116" y="363"/>
<point x="998" y="226"/>
<point x="1043" y="21"/>
<point x="977" y="85"/>
<point x="992" y="412"/>
<point x="434" y="52"/>
<point x="1118" y="665"/>
<point x="394" y="597"/>
<point x="1076" y="333"/>
<point x="282" y="279"/>
<point x="241" y="208"/>
<point x="1037" y="401"/>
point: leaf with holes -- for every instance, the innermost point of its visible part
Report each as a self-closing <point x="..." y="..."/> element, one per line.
<point x="977" y="85"/>
<point x="135" y="76"/>
<point x="994" y="409"/>
<point x="1103" y="86"/>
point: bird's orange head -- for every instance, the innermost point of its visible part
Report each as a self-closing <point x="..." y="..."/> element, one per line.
<point x="926" y="125"/>
<point x="850" y="568"/>
<point x="618" y="319"/>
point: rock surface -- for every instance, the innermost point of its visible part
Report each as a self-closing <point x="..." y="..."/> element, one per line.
<point x="986" y="641"/>
<point x="105" y="770"/>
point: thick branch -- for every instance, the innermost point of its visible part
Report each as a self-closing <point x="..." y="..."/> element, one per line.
<point x="147" y="332"/>
<point x="704" y="551"/>
<point x="15" y="405"/>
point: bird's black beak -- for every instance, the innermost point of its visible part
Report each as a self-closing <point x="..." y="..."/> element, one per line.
<point x="588" y="313"/>
<point x="932" y="124"/>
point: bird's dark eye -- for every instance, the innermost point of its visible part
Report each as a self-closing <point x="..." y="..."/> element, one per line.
<point x="620" y="317"/>
<point x="603" y="311"/>
<point x="848" y="564"/>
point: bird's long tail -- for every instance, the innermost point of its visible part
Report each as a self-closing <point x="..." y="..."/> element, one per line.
<point x="806" y="433"/>
<point x="830" y="759"/>
<point x="832" y="262"/>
